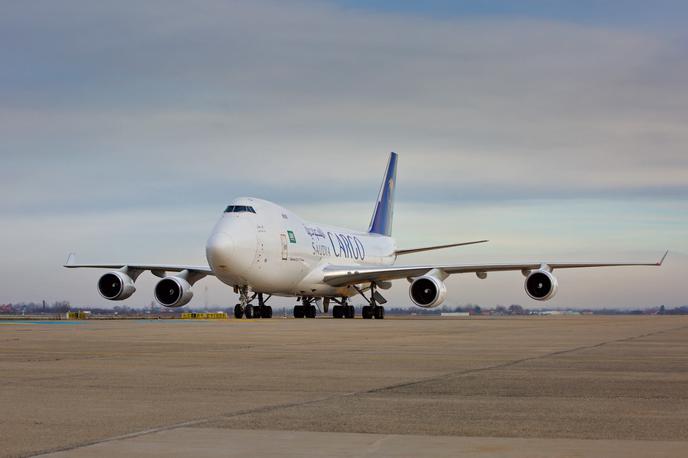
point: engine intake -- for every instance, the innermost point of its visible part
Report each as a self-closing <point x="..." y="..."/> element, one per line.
<point x="427" y="291"/>
<point x="116" y="286"/>
<point x="541" y="285"/>
<point x="173" y="292"/>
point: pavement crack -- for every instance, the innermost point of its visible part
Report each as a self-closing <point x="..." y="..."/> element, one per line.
<point x="517" y="361"/>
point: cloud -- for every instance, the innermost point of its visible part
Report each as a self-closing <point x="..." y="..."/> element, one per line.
<point x="125" y="109"/>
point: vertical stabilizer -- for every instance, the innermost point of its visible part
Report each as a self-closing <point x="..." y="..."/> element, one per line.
<point x="381" y="222"/>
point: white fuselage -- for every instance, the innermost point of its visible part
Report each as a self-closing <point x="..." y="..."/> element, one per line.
<point x="274" y="251"/>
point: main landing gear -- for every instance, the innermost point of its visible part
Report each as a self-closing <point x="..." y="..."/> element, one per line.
<point x="306" y="310"/>
<point x="343" y="310"/>
<point x="244" y="308"/>
<point x="372" y="310"/>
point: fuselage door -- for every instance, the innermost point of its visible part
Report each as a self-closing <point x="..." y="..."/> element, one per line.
<point x="285" y="247"/>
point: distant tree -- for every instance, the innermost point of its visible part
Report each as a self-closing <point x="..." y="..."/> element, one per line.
<point x="516" y="309"/>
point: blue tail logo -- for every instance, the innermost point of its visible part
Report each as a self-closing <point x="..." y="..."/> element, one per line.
<point x="381" y="222"/>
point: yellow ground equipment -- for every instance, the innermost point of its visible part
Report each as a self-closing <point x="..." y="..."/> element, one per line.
<point x="204" y="316"/>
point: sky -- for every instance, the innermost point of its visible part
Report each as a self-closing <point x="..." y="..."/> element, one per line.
<point x="555" y="129"/>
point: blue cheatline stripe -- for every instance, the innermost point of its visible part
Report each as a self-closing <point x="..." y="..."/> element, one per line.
<point x="381" y="222"/>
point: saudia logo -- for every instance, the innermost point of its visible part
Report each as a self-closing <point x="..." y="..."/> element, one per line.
<point x="347" y="246"/>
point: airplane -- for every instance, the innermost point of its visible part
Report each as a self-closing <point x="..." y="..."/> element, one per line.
<point x="262" y="249"/>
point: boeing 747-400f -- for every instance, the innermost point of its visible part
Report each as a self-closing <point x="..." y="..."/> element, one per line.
<point x="262" y="249"/>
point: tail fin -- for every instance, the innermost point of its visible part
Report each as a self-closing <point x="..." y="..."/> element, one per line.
<point x="381" y="222"/>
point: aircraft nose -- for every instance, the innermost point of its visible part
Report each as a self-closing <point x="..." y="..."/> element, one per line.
<point x="219" y="250"/>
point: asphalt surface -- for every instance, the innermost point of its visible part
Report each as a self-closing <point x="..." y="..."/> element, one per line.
<point x="535" y="386"/>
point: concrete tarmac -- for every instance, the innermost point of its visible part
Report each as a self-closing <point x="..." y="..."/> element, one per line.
<point x="533" y="386"/>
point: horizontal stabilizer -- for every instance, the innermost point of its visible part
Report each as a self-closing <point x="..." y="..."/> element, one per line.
<point x="436" y="247"/>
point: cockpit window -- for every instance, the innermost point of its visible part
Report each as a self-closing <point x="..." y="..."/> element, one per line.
<point x="239" y="209"/>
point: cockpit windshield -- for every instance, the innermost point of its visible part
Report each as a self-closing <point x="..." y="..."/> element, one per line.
<point x="239" y="209"/>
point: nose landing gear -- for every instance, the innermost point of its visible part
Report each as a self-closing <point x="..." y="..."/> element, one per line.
<point x="244" y="308"/>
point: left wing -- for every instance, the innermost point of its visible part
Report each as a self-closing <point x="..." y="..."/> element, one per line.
<point x="351" y="275"/>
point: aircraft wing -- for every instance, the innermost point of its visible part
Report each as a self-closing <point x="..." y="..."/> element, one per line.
<point x="436" y="247"/>
<point x="156" y="269"/>
<point x="351" y="275"/>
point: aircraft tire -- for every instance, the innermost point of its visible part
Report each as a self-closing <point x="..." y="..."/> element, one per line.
<point x="267" y="313"/>
<point x="350" y="312"/>
<point x="298" y="311"/>
<point x="310" y="311"/>
<point x="249" y="312"/>
<point x="337" y="311"/>
<point x="379" y="313"/>
<point x="238" y="312"/>
<point x="366" y="312"/>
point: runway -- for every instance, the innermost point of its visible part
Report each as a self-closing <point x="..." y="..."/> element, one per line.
<point x="535" y="386"/>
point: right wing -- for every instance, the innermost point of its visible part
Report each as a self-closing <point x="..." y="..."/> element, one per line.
<point x="352" y="275"/>
<point x="156" y="269"/>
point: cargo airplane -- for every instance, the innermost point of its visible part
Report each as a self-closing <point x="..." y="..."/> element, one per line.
<point x="261" y="249"/>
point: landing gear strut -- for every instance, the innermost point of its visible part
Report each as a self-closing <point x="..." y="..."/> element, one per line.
<point x="307" y="310"/>
<point x="244" y="308"/>
<point x="372" y="310"/>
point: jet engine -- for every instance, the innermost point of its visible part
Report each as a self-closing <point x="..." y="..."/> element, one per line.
<point x="541" y="285"/>
<point x="173" y="292"/>
<point x="427" y="291"/>
<point x="116" y="286"/>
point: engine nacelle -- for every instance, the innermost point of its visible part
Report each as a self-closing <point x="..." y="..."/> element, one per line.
<point x="541" y="285"/>
<point x="173" y="292"/>
<point x="116" y="286"/>
<point x="427" y="291"/>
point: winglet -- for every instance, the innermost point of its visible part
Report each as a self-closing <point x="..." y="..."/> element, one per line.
<point x="71" y="260"/>
<point x="661" y="261"/>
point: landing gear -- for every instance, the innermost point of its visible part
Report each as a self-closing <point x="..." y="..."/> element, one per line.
<point x="372" y="310"/>
<point x="310" y="311"/>
<point x="250" y="311"/>
<point x="343" y="310"/>
<point x="307" y="310"/>
<point x="262" y="311"/>
<point x="299" y="311"/>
